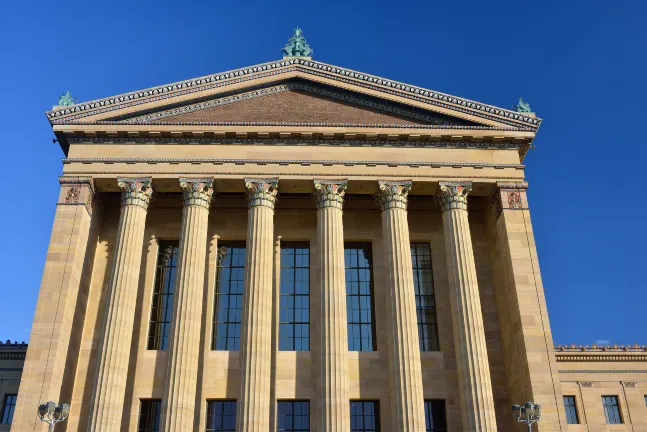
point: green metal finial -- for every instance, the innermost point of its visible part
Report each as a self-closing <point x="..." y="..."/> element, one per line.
<point x="297" y="45"/>
<point x="522" y="106"/>
<point x="66" y="100"/>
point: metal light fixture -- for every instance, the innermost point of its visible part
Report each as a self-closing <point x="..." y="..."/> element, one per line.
<point x="528" y="413"/>
<point x="52" y="414"/>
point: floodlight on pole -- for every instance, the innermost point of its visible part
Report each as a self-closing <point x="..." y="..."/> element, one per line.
<point x="52" y="414"/>
<point x="529" y="413"/>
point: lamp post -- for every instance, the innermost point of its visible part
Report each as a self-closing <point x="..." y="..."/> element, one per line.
<point x="52" y="414"/>
<point x="528" y="413"/>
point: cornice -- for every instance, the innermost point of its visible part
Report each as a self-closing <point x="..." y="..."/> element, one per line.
<point x="382" y="85"/>
<point x="607" y="357"/>
<point x="303" y="162"/>
<point x="606" y="371"/>
<point x="601" y="348"/>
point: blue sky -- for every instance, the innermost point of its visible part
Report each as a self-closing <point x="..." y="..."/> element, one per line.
<point x="580" y="64"/>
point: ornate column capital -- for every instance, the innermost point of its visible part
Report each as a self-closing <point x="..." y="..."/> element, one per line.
<point x="392" y="194"/>
<point x="197" y="191"/>
<point x="330" y="193"/>
<point x="261" y="192"/>
<point x="453" y="195"/>
<point x="135" y="191"/>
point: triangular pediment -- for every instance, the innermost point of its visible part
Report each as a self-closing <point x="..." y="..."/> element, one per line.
<point x="297" y="102"/>
<point x="293" y="91"/>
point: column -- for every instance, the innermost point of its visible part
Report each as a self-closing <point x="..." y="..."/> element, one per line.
<point x="66" y="276"/>
<point x="335" y="414"/>
<point x="186" y="324"/>
<point x="475" y="385"/>
<point x="404" y="349"/>
<point x="110" y="384"/>
<point x="256" y="332"/>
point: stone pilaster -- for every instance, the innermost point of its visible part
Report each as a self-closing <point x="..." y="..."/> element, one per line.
<point x="335" y="410"/>
<point x="256" y="330"/>
<point x="48" y="374"/>
<point x="477" y="401"/>
<point x="404" y="349"/>
<point x="521" y="305"/>
<point x="114" y="353"/>
<point x="186" y="325"/>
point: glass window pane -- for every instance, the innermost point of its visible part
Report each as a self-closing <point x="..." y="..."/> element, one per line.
<point x="294" y="313"/>
<point x="293" y="416"/>
<point x="364" y="416"/>
<point x="228" y="296"/>
<point x="162" y="307"/>
<point x="425" y="298"/>
<point x="359" y="296"/>
<point x="8" y="408"/>
<point x="149" y="415"/>
<point x="221" y="416"/>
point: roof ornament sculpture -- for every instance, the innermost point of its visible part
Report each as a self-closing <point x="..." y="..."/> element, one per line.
<point x="297" y="45"/>
<point x="66" y="99"/>
<point x="522" y="106"/>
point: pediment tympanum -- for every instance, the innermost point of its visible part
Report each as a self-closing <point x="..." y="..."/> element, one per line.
<point x="296" y="103"/>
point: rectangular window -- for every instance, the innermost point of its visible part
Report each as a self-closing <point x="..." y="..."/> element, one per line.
<point x="8" y="408"/>
<point x="294" y="327"/>
<point x="423" y="283"/>
<point x="435" y="419"/>
<point x="611" y="409"/>
<point x="364" y="416"/>
<point x="149" y="415"/>
<point x="359" y="296"/>
<point x="221" y="416"/>
<point x="162" y="309"/>
<point x="229" y="296"/>
<point x="571" y="410"/>
<point x="293" y="416"/>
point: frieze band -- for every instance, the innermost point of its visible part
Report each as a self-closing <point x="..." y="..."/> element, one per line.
<point x="135" y="191"/>
<point x="197" y="191"/>
<point x="262" y="192"/>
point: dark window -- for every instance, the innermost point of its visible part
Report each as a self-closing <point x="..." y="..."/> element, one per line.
<point x="221" y="416"/>
<point x="229" y="296"/>
<point x="294" y="330"/>
<point x="423" y="283"/>
<point x="294" y="416"/>
<point x="645" y="400"/>
<point x="611" y="409"/>
<point x="435" y="419"/>
<point x="8" y="408"/>
<point x="162" y="309"/>
<point x="149" y="415"/>
<point x="364" y="416"/>
<point x="359" y="296"/>
<point x="571" y="410"/>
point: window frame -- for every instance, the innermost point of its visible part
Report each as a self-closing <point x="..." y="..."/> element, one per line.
<point x="429" y="417"/>
<point x="8" y="404"/>
<point x="606" y="407"/>
<point x="154" y="415"/>
<point x="159" y="324"/>
<point x="294" y="297"/>
<point x="431" y="343"/>
<point x="218" y="296"/>
<point x="368" y="252"/>
<point x="376" y="411"/>
<point x="571" y="408"/>
<point x="292" y="403"/>
<point x="222" y="414"/>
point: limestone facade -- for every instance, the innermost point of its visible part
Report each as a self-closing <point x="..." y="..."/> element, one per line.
<point x="236" y="159"/>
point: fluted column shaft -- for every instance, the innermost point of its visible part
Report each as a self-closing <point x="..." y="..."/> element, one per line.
<point x="477" y="402"/>
<point x="335" y="415"/>
<point x="186" y="323"/>
<point x="256" y="332"/>
<point x="404" y="350"/>
<point x="114" y="354"/>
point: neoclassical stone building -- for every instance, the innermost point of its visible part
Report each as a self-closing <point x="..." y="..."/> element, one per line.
<point x="300" y="246"/>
